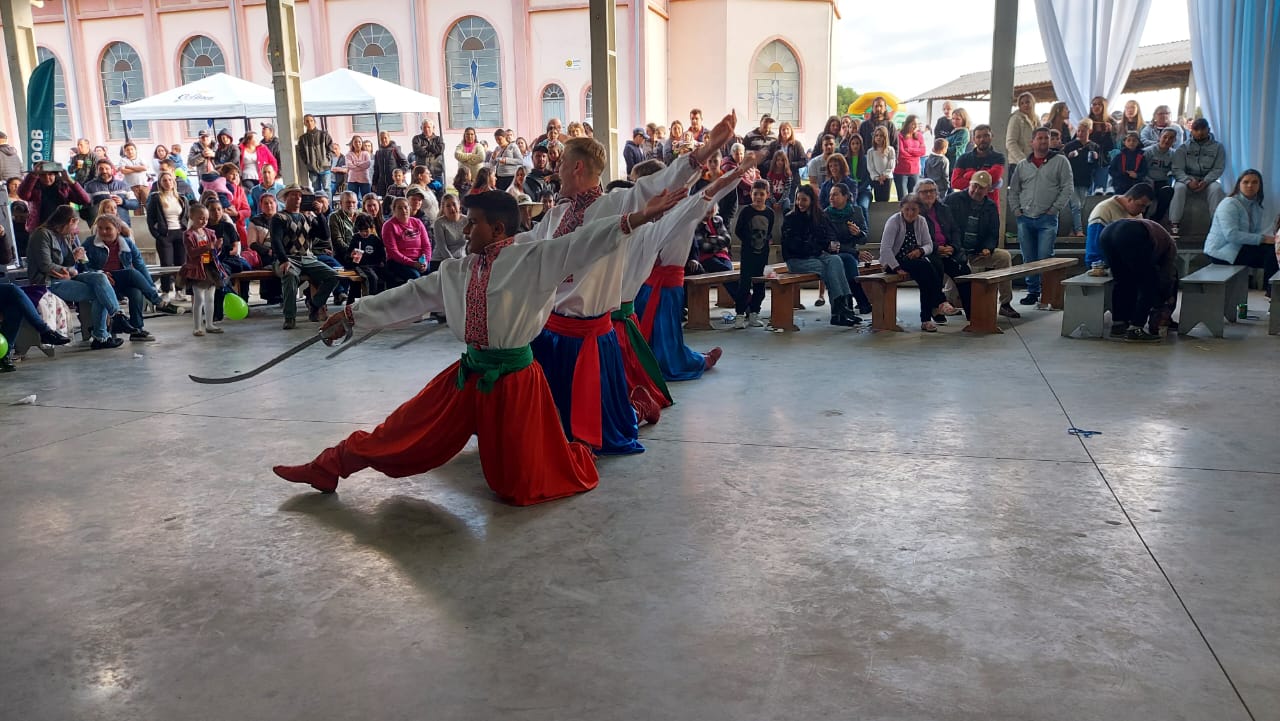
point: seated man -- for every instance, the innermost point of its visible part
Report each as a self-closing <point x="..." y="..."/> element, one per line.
<point x="1132" y="204"/>
<point x="1197" y="166"/>
<point x="270" y="185"/>
<point x="1143" y="259"/>
<point x="978" y="234"/>
<point x="291" y="235"/>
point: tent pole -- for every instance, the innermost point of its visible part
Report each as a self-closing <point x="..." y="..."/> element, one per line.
<point x="377" y="123"/>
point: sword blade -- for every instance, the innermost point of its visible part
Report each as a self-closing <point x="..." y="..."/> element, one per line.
<point x="269" y="364"/>
<point x="418" y="335"/>
<point x="348" y="346"/>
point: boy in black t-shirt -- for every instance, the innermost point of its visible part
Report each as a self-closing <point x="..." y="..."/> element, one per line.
<point x="754" y="230"/>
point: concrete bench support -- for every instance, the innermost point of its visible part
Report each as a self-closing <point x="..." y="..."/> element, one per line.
<point x="1087" y="300"/>
<point x="1211" y="294"/>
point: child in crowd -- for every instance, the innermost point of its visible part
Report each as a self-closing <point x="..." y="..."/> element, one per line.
<point x="398" y="189"/>
<point x="937" y="168"/>
<point x="754" y="230"/>
<point x="230" y="253"/>
<point x="1084" y="155"/>
<point x="462" y="180"/>
<point x="1129" y="167"/>
<point x="213" y="181"/>
<point x="202" y="270"/>
<point x="367" y="255"/>
<point x="779" y="177"/>
<point x="110" y="207"/>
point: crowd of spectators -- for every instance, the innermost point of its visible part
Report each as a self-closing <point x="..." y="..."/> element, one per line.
<point x="394" y="218"/>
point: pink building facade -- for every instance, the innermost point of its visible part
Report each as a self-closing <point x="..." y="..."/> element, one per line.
<point x="493" y="63"/>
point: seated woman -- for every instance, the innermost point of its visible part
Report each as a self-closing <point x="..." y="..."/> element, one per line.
<point x="808" y="246"/>
<point x="1236" y="236"/>
<point x="407" y="243"/>
<point x="849" y="228"/>
<point x="269" y="289"/>
<point x="58" y="260"/>
<point x="115" y="254"/>
<point x="231" y="255"/>
<point x="904" y="249"/>
<point x="16" y="307"/>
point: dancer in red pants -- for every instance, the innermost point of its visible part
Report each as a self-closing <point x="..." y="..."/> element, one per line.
<point x="504" y="291"/>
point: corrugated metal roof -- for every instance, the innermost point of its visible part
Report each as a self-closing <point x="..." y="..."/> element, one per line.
<point x="979" y="83"/>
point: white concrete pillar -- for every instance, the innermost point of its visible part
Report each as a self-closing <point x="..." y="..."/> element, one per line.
<point x="286" y="78"/>
<point x="604" y="82"/>
<point x="20" y="50"/>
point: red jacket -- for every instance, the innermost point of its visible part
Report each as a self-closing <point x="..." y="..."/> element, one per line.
<point x="33" y="192"/>
<point x="265" y="157"/>
<point x="961" y="176"/>
<point x="910" y="150"/>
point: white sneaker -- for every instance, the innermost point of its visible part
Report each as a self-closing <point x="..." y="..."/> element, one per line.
<point x="198" y="332"/>
<point x="740" y="322"/>
<point x="753" y="320"/>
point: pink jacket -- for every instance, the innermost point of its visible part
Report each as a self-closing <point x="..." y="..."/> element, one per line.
<point x="358" y="166"/>
<point x="406" y="243"/>
<point x="910" y="150"/>
<point x="265" y="157"/>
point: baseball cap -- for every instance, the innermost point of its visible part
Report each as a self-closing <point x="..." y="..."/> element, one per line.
<point x="637" y="131"/>
<point x="417" y="190"/>
<point x="203" y="133"/>
<point x="265" y="126"/>
<point x="982" y="178"/>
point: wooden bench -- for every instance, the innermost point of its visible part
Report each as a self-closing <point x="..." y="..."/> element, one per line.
<point x="1087" y="300"/>
<point x="697" y="294"/>
<point x="1211" y="294"/>
<point x="784" y="294"/>
<point x="242" y="279"/>
<point x="883" y="294"/>
<point x="985" y="290"/>
<point x="1273" y="322"/>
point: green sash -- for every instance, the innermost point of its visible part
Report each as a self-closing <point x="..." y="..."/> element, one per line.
<point x="641" y="346"/>
<point x="492" y="364"/>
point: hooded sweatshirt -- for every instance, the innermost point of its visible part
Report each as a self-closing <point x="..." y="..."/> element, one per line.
<point x="1128" y="160"/>
<point x="10" y="163"/>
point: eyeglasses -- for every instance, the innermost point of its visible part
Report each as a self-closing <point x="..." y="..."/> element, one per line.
<point x="927" y="192"/>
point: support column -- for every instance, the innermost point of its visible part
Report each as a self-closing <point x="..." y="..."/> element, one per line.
<point x="20" y="50"/>
<point x="604" y="82"/>
<point x="1004" y="40"/>
<point x="286" y="79"/>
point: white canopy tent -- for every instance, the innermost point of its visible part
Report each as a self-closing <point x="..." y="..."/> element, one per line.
<point x="215" y="97"/>
<point x="346" y="92"/>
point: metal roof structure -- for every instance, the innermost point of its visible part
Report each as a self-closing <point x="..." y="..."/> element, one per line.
<point x="1156" y="67"/>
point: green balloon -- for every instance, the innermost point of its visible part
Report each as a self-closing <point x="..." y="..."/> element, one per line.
<point x="234" y="307"/>
<point x="4" y="346"/>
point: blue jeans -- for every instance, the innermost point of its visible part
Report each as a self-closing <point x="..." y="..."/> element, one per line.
<point x="95" y="288"/>
<point x="864" y="200"/>
<point x="1035" y="238"/>
<point x="1076" y="205"/>
<point x="1101" y="177"/>
<point x="17" y="307"/>
<point x="360" y="189"/>
<point x="1092" y="246"/>
<point x="319" y="182"/>
<point x="135" y="286"/>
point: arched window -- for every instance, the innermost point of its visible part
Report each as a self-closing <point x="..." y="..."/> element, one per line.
<point x="200" y="58"/>
<point x="473" y="65"/>
<point x="553" y="104"/>
<point x="122" y="83"/>
<point x="61" y="116"/>
<point x="588" y="115"/>
<point x="373" y="51"/>
<point x="775" y="80"/>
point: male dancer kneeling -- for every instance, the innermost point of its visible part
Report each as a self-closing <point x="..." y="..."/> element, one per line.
<point x="503" y="291"/>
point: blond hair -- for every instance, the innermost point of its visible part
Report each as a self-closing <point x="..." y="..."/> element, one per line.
<point x="587" y="150"/>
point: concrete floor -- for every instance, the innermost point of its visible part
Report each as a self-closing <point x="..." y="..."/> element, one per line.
<point x="833" y="524"/>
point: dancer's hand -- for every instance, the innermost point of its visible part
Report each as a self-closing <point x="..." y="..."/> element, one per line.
<point x="335" y="328"/>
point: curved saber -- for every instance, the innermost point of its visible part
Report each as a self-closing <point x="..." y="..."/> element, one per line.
<point x="269" y="364"/>
<point x="348" y="346"/>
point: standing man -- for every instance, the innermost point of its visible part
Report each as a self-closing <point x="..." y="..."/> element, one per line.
<point x="1039" y="189"/>
<point x="1197" y="165"/>
<point x="982" y="158"/>
<point x="695" y="125"/>
<point x="762" y="138"/>
<point x="81" y="166"/>
<point x="633" y="151"/>
<point x="270" y="140"/>
<point x="105" y="185"/>
<point x="10" y="163"/>
<point x="315" y="157"/>
<point x="978" y="234"/>
<point x="880" y="117"/>
<point x="428" y="149"/>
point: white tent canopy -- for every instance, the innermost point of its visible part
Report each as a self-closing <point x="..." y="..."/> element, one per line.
<point x="217" y="96"/>
<point x="346" y="92"/>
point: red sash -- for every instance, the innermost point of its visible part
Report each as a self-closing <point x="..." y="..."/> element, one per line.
<point x="663" y="276"/>
<point x="586" y="409"/>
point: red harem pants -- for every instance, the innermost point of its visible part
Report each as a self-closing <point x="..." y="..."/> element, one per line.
<point x="523" y="451"/>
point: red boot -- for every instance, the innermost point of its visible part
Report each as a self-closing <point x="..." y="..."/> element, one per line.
<point x="321" y="473"/>
<point x="647" y="409"/>
<point x="712" y="358"/>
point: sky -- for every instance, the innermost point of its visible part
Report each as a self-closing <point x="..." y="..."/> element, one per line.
<point x="937" y="46"/>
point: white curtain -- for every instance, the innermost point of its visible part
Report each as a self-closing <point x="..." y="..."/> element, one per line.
<point x="1091" y="45"/>
<point x="1235" y="54"/>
